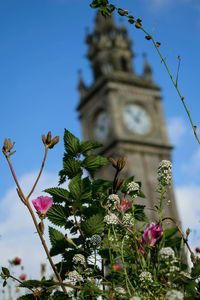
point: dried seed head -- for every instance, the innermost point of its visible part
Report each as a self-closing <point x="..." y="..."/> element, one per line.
<point x="148" y="37"/>
<point x="8" y="145"/>
<point x="113" y="162"/>
<point x="54" y="142"/>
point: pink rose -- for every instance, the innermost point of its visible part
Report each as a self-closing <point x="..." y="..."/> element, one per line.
<point x="125" y="204"/>
<point x="16" y="261"/>
<point x="151" y="234"/>
<point x="42" y="204"/>
<point x="22" y="276"/>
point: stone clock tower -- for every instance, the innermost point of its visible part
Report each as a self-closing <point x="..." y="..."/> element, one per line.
<point x="124" y="111"/>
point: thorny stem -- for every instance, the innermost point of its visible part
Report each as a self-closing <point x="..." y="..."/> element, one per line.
<point x="26" y="202"/>
<point x="41" y="169"/>
<point x="183" y="236"/>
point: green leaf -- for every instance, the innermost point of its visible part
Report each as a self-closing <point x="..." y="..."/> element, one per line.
<point x="170" y="232"/>
<point x="92" y="163"/>
<point x="89" y="145"/>
<point x="75" y="187"/>
<point x="94" y="225"/>
<point x="4" y="283"/>
<point x="37" y="283"/>
<point x="5" y="271"/>
<point x="71" y="167"/>
<point x="72" y="145"/>
<point x="191" y="287"/>
<point x="26" y="297"/>
<point x="100" y="186"/>
<point x="58" y="215"/>
<point x="59" y="296"/>
<point x="59" y="194"/>
<point x="196" y="270"/>
<point x="58" y="242"/>
<point x="139" y="212"/>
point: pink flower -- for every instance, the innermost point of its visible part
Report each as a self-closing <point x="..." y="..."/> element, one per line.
<point x="151" y="234"/>
<point x="197" y="249"/>
<point x="22" y="276"/>
<point x="117" y="267"/>
<point x="16" y="261"/>
<point x="42" y="204"/>
<point x="125" y="204"/>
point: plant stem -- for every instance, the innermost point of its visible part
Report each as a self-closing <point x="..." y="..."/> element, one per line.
<point x="41" y="169"/>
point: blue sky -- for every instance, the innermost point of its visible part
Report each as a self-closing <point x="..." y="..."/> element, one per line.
<point x="41" y="50"/>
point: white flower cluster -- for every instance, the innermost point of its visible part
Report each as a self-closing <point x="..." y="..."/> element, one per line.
<point x="74" y="276"/>
<point x="173" y="269"/>
<point x="174" y="295"/>
<point x="95" y="240"/>
<point x="111" y="219"/>
<point x="135" y="298"/>
<point x="166" y="254"/>
<point x="127" y="219"/>
<point x="113" y="200"/>
<point x="165" y="172"/>
<point x="145" y="277"/>
<point x="133" y="187"/>
<point x="79" y="259"/>
<point x="120" y="290"/>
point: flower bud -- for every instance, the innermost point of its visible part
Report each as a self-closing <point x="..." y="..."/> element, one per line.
<point x="48" y="140"/>
<point x="158" y="44"/>
<point x="54" y="142"/>
<point x="41" y="226"/>
<point x="8" y="145"/>
<point x="113" y="162"/>
<point x="44" y="139"/>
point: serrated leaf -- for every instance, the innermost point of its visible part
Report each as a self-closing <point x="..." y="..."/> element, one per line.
<point x="92" y="163"/>
<point x="59" y="194"/>
<point x="94" y="225"/>
<point x="58" y="215"/>
<point x="191" y="288"/>
<point x="37" y="283"/>
<point x="5" y="271"/>
<point x="75" y="187"/>
<point x="89" y="145"/>
<point x="58" y="241"/>
<point x="59" y="296"/>
<point x="71" y="167"/>
<point x="71" y="143"/>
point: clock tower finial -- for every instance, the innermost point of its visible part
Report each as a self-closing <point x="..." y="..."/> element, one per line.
<point x="109" y="47"/>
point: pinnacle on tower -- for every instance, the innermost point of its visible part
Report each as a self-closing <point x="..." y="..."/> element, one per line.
<point x="147" y="71"/>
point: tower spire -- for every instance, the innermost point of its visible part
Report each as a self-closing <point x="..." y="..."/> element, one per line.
<point x="109" y="47"/>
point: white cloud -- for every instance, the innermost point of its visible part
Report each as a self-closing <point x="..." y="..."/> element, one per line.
<point x="176" y="129"/>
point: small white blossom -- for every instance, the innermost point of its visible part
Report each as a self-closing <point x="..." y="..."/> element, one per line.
<point x="79" y="259"/>
<point x="173" y="269"/>
<point x="165" y="172"/>
<point x="113" y="200"/>
<point x="111" y="219"/>
<point x="88" y="271"/>
<point x="145" y="277"/>
<point x="174" y="295"/>
<point x="166" y="254"/>
<point x="133" y="187"/>
<point x="95" y="240"/>
<point x="74" y="276"/>
<point x="135" y="298"/>
<point x="120" y="290"/>
<point x="185" y="274"/>
<point x="127" y="219"/>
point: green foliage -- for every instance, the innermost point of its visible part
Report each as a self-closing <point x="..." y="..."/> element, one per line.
<point x="57" y="240"/>
<point x="94" y="225"/>
<point x="71" y="143"/>
<point x="196" y="270"/>
<point x="89" y="145"/>
<point x="59" y="194"/>
<point x="5" y="271"/>
<point x="26" y="297"/>
<point x="58" y="215"/>
<point x="139" y="213"/>
<point x="92" y="163"/>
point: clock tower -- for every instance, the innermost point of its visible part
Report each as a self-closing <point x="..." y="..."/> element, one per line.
<point x="123" y="111"/>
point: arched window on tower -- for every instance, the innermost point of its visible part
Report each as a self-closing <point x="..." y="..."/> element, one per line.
<point x="124" y="64"/>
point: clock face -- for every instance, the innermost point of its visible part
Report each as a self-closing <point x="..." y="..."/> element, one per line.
<point x="136" y="119"/>
<point x="101" y="127"/>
